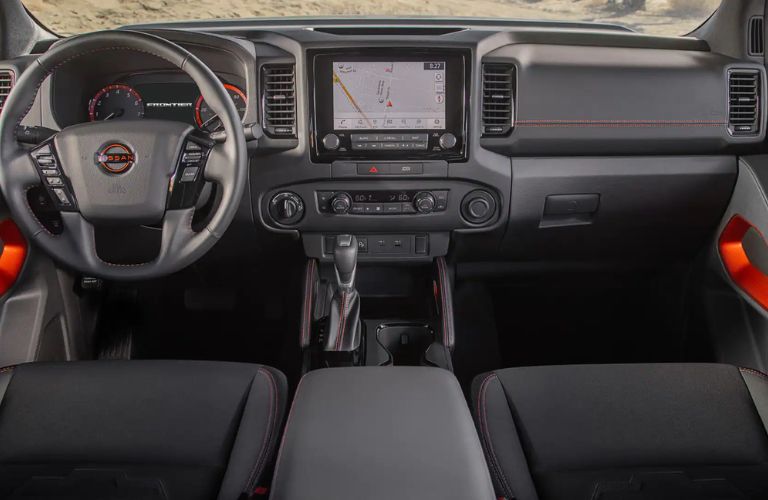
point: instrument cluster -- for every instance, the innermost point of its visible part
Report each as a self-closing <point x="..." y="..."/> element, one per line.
<point x="149" y="96"/>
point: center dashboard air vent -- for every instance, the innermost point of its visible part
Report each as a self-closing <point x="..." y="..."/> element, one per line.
<point x="744" y="106"/>
<point x="7" y="79"/>
<point x="498" y="99"/>
<point x="278" y="95"/>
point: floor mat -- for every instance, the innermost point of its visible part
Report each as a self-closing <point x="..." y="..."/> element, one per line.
<point x="597" y="318"/>
<point x="222" y="319"/>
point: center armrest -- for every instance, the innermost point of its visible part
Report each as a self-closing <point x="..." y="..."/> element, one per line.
<point x="380" y="433"/>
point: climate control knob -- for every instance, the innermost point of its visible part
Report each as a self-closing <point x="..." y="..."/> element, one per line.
<point x="286" y="208"/>
<point x="424" y="202"/>
<point x="331" y="142"/>
<point x="341" y="203"/>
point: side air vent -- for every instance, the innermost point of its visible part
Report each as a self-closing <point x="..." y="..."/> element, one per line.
<point x="278" y="84"/>
<point x="744" y="102"/>
<point x="7" y="79"/>
<point x="498" y="99"/>
<point x="756" y="33"/>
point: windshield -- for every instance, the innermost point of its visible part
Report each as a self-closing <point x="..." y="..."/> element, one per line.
<point x="660" y="17"/>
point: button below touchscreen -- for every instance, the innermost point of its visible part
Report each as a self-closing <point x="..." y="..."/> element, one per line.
<point x="376" y="95"/>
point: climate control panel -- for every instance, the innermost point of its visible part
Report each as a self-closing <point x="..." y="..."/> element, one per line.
<point x="405" y="202"/>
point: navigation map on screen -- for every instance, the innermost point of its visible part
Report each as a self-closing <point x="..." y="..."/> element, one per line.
<point x="375" y="95"/>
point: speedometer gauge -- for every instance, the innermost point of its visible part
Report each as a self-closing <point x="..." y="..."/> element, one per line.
<point x="116" y="102"/>
<point x="207" y="120"/>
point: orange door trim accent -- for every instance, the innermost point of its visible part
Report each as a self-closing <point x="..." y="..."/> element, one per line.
<point x="13" y="255"/>
<point x="736" y="261"/>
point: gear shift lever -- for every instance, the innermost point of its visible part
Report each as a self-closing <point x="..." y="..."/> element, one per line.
<point x="345" y="261"/>
<point x="344" y="332"/>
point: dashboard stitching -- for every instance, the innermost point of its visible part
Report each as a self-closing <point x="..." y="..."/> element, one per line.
<point x="619" y="123"/>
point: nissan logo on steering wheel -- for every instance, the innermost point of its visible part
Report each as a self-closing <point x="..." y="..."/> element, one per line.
<point x="115" y="158"/>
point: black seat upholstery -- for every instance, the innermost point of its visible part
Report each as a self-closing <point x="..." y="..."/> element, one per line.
<point x="137" y="429"/>
<point x="667" y="431"/>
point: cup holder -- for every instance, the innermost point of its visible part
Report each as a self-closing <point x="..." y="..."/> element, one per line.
<point x="405" y="343"/>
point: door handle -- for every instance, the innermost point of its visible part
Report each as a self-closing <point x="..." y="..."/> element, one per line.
<point x="13" y="255"/>
<point x="740" y="244"/>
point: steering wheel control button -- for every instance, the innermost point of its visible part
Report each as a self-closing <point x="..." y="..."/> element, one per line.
<point x="331" y="142"/>
<point x="61" y="196"/>
<point x="286" y="208"/>
<point x="189" y="179"/>
<point x="52" y="178"/>
<point x="46" y="160"/>
<point x="189" y="174"/>
<point x="478" y="207"/>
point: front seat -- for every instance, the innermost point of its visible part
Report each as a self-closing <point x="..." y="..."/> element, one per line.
<point x="137" y="430"/>
<point x="658" y="431"/>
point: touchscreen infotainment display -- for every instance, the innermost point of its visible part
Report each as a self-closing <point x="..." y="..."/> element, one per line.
<point x="379" y="95"/>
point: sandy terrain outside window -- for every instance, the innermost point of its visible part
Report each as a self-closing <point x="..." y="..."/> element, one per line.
<point x="660" y="17"/>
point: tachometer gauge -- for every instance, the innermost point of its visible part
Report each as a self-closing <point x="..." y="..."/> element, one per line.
<point x="116" y="102"/>
<point x="207" y="120"/>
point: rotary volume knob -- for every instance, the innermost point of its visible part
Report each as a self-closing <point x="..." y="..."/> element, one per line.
<point x="448" y="141"/>
<point x="331" y="142"/>
<point x="424" y="202"/>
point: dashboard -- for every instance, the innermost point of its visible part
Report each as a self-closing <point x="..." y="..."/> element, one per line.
<point x="491" y="140"/>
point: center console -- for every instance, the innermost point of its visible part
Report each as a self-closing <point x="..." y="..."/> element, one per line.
<point x="396" y="432"/>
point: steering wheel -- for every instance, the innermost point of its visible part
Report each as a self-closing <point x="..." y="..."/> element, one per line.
<point x="146" y="172"/>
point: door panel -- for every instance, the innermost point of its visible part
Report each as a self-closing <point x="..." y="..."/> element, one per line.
<point x="39" y="312"/>
<point x="736" y="302"/>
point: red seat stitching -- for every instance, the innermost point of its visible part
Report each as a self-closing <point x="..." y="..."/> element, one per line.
<point x="263" y="451"/>
<point x="483" y="421"/>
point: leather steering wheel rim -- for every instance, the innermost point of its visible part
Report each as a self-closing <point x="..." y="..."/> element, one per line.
<point x="226" y="165"/>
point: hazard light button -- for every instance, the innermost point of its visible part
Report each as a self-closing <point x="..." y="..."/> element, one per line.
<point x="390" y="168"/>
<point x="372" y="169"/>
